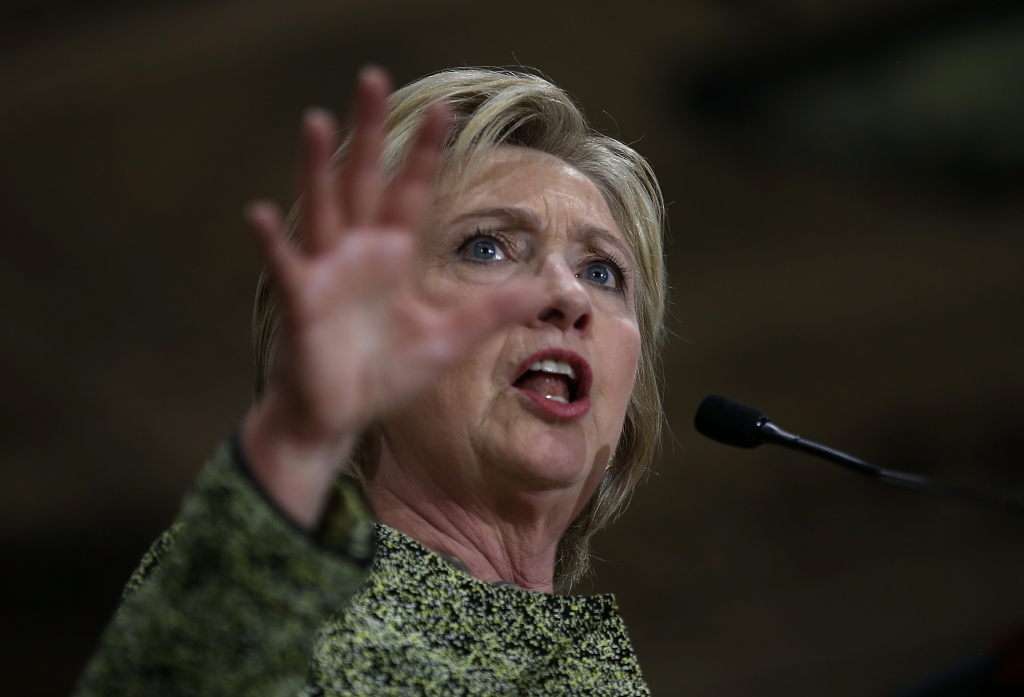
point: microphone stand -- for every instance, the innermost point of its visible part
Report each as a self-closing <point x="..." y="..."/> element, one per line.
<point x="727" y="421"/>
<point x="1007" y="500"/>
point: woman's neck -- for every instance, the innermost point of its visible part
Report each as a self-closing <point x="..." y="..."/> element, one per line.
<point x="513" y="537"/>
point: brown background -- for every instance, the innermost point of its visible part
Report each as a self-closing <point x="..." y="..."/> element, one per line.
<point x="867" y="306"/>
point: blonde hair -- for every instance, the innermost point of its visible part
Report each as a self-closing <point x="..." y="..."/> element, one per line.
<point x="499" y="107"/>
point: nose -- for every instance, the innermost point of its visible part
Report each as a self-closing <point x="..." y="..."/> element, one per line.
<point x="569" y="307"/>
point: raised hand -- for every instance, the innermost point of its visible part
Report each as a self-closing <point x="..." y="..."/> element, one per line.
<point x="355" y="339"/>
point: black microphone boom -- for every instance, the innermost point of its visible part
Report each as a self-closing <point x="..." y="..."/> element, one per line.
<point x="723" y="420"/>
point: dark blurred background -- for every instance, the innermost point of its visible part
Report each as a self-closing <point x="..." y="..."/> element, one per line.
<point x="846" y="188"/>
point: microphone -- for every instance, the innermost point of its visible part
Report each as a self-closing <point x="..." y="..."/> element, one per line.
<point x="726" y="421"/>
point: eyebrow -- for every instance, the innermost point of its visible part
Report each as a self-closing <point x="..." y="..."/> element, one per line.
<point x="526" y="219"/>
<point x="521" y="217"/>
<point x="589" y="231"/>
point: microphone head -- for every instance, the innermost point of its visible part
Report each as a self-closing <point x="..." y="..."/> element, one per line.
<point x="721" y="419"/>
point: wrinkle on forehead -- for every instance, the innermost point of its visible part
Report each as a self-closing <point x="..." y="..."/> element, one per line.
<point x="459" y="180"/>
<point x="493" y="182"/>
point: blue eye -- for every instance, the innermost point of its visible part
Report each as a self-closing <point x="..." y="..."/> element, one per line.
<point x="487" y="250"/>
<point x="600" y="274"/>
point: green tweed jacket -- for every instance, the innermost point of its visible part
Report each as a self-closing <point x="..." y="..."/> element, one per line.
<point x="235" y="600"/>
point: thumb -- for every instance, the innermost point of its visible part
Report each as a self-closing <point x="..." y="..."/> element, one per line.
<point x="476" y="319"/>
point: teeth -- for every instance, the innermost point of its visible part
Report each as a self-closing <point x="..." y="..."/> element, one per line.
<point x="556" y="367"/>
<point x="556" y="398"/>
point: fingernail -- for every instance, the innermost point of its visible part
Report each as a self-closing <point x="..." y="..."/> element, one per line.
<point x="253" y="209"/>
<point x="374" y="73"/>
<point x="316" y="113"/>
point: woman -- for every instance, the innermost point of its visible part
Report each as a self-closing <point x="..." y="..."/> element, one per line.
<point x="464" y="318"/>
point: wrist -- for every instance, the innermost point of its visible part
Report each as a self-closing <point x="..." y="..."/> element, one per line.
<point x="295" y="468"/>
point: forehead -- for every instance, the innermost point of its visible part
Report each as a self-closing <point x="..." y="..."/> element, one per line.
<point x="511" y="176"/>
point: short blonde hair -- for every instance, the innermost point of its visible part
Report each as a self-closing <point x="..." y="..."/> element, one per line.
<point x="500" y="107"/>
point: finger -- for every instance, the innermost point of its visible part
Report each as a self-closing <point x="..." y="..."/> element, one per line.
<point x="374" y="261"/>
<point x="470" y="324"/>
<point x="264" y="220"/>
<point x="318" y="208"/>
<point x="409" y="194"/>
<point x="360" y="186"/>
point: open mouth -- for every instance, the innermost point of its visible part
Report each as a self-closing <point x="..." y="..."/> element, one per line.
<point x="554" y="380"/>
<point x="557" y="380"/>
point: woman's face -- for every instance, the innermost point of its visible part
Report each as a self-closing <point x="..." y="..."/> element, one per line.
<point x="540" y="403"/>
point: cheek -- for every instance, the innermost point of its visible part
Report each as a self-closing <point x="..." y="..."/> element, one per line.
<point x="621" y="353"/>
<point x="442" y="419"/>
<point x="464" y="392"/>
<point x="469" y="387"/>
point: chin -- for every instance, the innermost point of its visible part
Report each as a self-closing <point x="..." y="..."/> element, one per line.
<point x="550" y="458"/>
<point x="516" y="442"/>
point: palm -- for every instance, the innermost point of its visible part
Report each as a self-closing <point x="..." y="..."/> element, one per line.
<point x="355" y="339"/>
